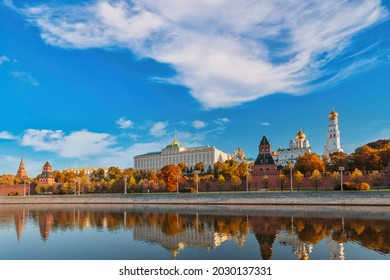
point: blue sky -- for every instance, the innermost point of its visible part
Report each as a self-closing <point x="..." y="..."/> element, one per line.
<point x="93" y="83"/>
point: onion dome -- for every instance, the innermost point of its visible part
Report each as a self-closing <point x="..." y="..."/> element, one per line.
<point x="333" y="115"/>
<point x="300" y="135"/>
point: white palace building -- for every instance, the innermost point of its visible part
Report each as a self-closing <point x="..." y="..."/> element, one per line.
<point x="297" y="147"/>
<point x="176" y="153"/>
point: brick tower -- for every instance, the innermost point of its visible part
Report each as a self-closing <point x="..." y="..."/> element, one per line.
<point x="21" y="173"/>
<point x="47" y="178"/>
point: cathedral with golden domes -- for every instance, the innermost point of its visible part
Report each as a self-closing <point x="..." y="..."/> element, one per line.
<point x="296" y="148"/>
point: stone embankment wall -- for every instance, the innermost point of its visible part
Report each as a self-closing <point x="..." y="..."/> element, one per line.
<point x="381" y="198"/>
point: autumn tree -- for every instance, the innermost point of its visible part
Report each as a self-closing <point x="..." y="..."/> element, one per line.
<point x="242" y="169"/>
<point x="337" y="159"/>
<point x="376" y="179"/>
<point x="316" y="178"/>
<point x="235" y="182"/>
<point x="171" y="175"/>
<point x="298" y="178"/>
<point x="221" y="182"/>
<point x="356" y="176"/>
<point x="335" y="179"/>
<point x="307" y="163"/>
<point x="282" y="179"/>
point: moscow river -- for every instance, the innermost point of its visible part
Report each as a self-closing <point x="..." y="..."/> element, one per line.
<point x="92" y="232"/>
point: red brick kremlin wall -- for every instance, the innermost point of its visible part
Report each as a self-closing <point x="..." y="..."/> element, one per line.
<point x="6" y="189"/>
<point x="257" y="183"/>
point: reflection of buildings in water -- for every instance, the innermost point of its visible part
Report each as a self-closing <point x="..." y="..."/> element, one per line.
<point x="19" y="218"/>
<point x="336" y="249"/>
<point x="265" y="230"/>
<point x="191" y="237"/>
<point x="299" y="248"/>
<point x="45" y="221"/>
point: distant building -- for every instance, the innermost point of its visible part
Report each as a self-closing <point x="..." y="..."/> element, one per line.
<point x="333" y="135"/>
<point x="21" y="173"/>
<point x="87" y="170"/>
<point x="297" y="147"/>
<point x="176" y="153"/>
<point x="46" y="177"/>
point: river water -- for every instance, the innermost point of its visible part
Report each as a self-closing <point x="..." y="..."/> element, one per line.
<point x="89" y="232"/>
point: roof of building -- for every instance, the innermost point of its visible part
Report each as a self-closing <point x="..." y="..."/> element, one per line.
<point x="47" y="164"/>
<point x="333" y="115"/>
<point x="264" y="159"/>
<point x="300" y="135"/>
<point x="264" y="141"/>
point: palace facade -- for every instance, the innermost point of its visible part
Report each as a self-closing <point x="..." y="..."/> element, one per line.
<point x="176" y="153"/>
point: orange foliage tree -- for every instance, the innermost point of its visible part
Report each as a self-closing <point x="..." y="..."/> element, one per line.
<point x="171" y="175"/>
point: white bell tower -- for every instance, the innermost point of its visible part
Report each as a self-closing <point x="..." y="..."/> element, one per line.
<point x="333" y="135"/>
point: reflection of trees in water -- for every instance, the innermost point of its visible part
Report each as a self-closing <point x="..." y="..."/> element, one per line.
<point x="372" y="234"/>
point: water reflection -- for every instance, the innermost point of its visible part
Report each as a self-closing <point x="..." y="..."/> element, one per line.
<point x="175" y="231"/>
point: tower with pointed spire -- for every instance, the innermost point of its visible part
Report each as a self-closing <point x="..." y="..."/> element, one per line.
<point x="21" y="173"/>
<point x="264" y="163"/>
<point x="333" y="135"/>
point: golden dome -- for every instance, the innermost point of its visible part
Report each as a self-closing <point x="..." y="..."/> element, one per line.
<point x="333" y="115"/>
<point x="175" y="142"/>
<point x="300" y="135"/>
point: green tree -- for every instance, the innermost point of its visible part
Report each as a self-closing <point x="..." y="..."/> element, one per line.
<point x="316" y="178"/>
<point x="199" y="166"/>
<point x="298" y="178"/>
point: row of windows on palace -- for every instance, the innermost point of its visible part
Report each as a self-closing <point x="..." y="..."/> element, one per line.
<point x="206" y="158"/>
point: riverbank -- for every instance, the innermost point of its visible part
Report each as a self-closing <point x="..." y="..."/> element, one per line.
<point x="372" y="198"/>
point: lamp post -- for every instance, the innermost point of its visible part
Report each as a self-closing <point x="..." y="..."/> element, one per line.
<point x="246" y="179"/>
<point x="341" y="177"/>
<point x="290" y="165"/>
<point x="29" y="190"/>
<point x="125" y="179"/>
<point x="177" y="184"/>
<point x="78" y="181"/>
<point x="197" y="179"/>
<point x="24" y="187"/>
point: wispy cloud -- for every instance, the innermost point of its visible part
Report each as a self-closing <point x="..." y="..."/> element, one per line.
<point x="225" y="52"/>
<point x="158" y="129"/>
<point x="78" y="144"/>
<point x="7" y="135"/>
<point x="221" y="121"/>
<point x="265" y="124"/>
<point x="197" y="124"/>
<point x="25" y="78"/>
<point x="124" y="123"/>
<point x="3" y="59"/>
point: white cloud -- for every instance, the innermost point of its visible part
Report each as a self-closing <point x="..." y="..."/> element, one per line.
<point x="124" y="123"/>
<point x="226" y="52"/>
<point x="3" y="59"/>
<point x="197" y="124"/>
<point x="222" y="121"/>
<point x="7" y="135"/>
<point x="25" y="78"/>
<point x="265" y="123"/>
<point x="79" y="144"/>
<point x="159" y="129"/>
